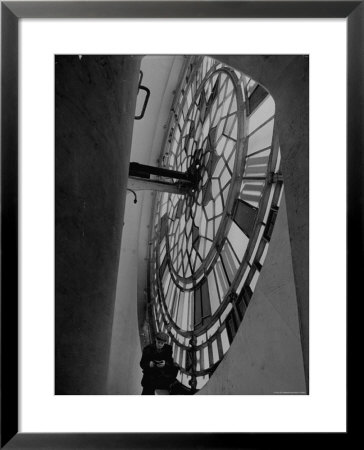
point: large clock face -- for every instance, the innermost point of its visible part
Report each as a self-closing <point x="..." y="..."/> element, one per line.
<point x="209" y="243"/>
<point x="208" y="135"/>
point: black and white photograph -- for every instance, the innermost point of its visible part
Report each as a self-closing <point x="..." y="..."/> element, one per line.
<point x="181" y="198"/>
<point x="181" y="224"/>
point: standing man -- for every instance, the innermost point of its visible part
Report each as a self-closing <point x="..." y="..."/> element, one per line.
<point x="159" y="370"/>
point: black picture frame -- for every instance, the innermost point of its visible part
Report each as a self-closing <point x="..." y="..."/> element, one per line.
<point x="11" y="12"/>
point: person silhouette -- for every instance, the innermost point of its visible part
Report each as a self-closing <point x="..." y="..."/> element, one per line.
<point x="159" y="369"/>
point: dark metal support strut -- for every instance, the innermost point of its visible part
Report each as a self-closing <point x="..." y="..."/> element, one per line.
<point x="144" y="171"/>
<point x="139" y="179"/>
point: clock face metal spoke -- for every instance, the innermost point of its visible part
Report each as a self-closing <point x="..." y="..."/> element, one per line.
<point x="197" y="153"/>
<point x="209" y="244"/>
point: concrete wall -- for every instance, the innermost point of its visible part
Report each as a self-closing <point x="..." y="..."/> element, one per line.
<point x="124" y="373"/>
<point x="94" y="123"/>
<point x="266" y="355"/>
<point x="286" y="78"/>
<point x="160" y="74"/>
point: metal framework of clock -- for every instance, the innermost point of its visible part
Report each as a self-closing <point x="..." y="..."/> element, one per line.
<point x="209" y="241"/>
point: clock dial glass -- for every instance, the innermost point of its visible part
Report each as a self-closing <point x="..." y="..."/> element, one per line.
<point x="209" y="242"/>
<point x="205" y="138"/>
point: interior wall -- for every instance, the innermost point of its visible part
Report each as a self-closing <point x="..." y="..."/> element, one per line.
<point x="124" y="373"/>
<point x="94" y="123"/>
<point x="160" y="75"/>
<point x="266" y="355"/>
<point x="287" y="79"/>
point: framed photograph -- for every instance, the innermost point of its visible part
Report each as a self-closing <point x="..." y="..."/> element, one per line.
<point x="176" y="204"/>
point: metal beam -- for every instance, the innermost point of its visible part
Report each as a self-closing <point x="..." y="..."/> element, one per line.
<point x="144" y="171"/>
<point x="140" y="184"/>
